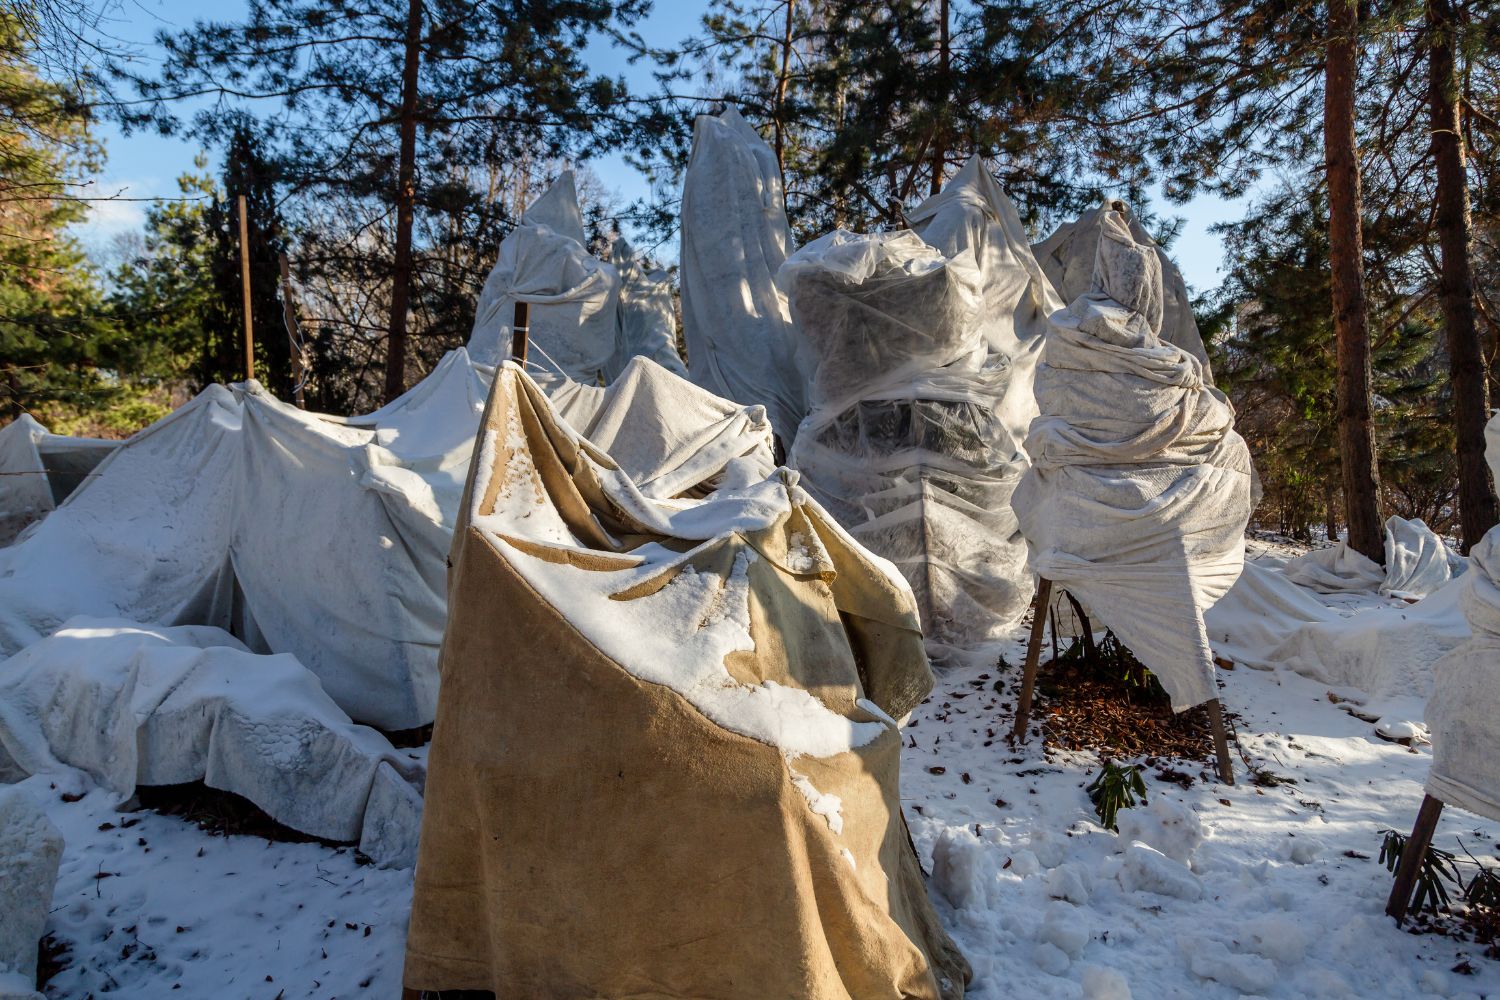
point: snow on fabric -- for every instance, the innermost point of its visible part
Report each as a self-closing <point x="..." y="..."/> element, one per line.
<point x="905" y="444"/>
<point x="325" y="537"/>
<point x="132" y="705"/>
<point x="30" y="851"/>
<point x="1464" y="711"/>
<point x="1067" y="257"/>
<point x="1139" y="491"/>
<point x="1417" y="563"/>
<point x="646" y="321"/>
<point x="738" y="661"/>
<point x="573" y="295"/>
<point x="735" y="320"/>
<point x="39" y="469"/>
<point x="1385" y="650"/>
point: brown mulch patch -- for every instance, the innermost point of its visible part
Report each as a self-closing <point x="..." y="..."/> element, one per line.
<point x="52" y="956"/>
<point x="1083" y="707"/>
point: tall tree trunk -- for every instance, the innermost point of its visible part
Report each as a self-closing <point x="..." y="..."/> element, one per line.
<point x="1346" y="261"/>
<point x="940" y="135"/>
<point x="1476" y="497"/>
<point x="781" y="83"/>
<point x="406" y="198"/>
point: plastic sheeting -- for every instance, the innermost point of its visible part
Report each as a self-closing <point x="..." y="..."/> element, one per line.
<point x="320" y="536"/>
<point x="972" y="213"/>
<point x="1464" y="711"/>
<point x="1067" y="257"/>
<point x="904" y="445"/>
<point x="39" y="469"/>
<point x="1139" y="491"/>
<point x="735" y="319"/>
<point x="646" y="321"/>
<point x="132" y="705"/>
<point x="573" y="295"/>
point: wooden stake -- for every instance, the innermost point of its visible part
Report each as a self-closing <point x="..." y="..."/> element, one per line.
<point x="245" y="286"/>
<point x="1411" y="857"/>
<point x="1033" y="657"/>
<point x="293" y="336"/>
<point x="1221" y="741"/>
<point x="519" y="329"/>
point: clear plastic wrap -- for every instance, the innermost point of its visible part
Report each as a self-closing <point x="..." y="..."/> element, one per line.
<point x="905" y="444"/>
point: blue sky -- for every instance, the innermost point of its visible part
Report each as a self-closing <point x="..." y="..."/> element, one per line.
<point x="144" y="166"/>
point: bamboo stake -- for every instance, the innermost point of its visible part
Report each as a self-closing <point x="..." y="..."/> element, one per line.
<point x="1033" y="657"/>
<point x="519" y="329"/>
<point x="245" y="286"/>
<point x="1221" y="741"/>
<point x="1411" y="857"/>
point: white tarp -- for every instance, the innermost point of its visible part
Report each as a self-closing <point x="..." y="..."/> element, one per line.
<point x="1464" y="712"/>
<point x="129" y="705"/>
<point x="1417" y="563"/>
<point x="1268" y="621"/>
<point x="39" y="469"/>
<point x="1139" y="491"/>
<point x="573" y="294"/>
<point x="646" y="321"/>
<point x="904" y="444"/>
<point x="1067" y="256"/>
<point x="735" y="319"/>
<point x="318" y="536"/>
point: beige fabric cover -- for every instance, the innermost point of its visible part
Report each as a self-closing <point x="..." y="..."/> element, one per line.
<point x="592" y="834"/>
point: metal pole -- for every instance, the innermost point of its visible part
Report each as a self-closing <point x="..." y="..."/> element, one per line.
<point x="245" y="283"/>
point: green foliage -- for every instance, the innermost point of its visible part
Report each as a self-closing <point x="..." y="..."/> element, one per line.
<point x="1277" y="363"/>
<point x="1116" y="787"/>
<point x="54" y="339"/>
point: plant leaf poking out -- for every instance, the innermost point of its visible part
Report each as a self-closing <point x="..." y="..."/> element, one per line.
<point x="1114" y="789"/>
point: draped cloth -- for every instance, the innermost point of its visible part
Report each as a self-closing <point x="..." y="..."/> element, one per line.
<point x="665" y="763"/>
<point x="1139" y="490"/>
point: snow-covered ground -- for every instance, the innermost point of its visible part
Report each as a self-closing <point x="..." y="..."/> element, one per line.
<point x="1262" y="891"/>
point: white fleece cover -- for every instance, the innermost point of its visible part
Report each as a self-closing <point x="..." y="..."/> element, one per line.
<point x="905" y="443"/>
<point x="734" y="238"/>
<point x="327" y="537"/>
<point x="1464" y="712"/>
<point x="1067" y="257"/>
<point x="128" y="705"/>
<point x="646" y="322"/>
<point x="1139" y="491"/>
<point x="972" y="212"/>
<point x="573" y="294"/>
<point x="38" y="469"/>
<point x="1385" y="651"/>
<point x="1417" y="563"/>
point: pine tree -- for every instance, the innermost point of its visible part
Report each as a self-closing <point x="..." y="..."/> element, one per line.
<point x="382" y="102"/>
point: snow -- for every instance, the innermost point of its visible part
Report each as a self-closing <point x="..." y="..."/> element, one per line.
<point x="1264" y="923"/>
<point x="1210" y="891"/>
<point x="30" y="849"/>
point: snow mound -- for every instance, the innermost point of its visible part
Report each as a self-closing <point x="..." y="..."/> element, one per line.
<point x="30" y="851"/>
<point x="1167" y="825"/>
<point x="129" y="705"/>
<point x="1148" y="870"/>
